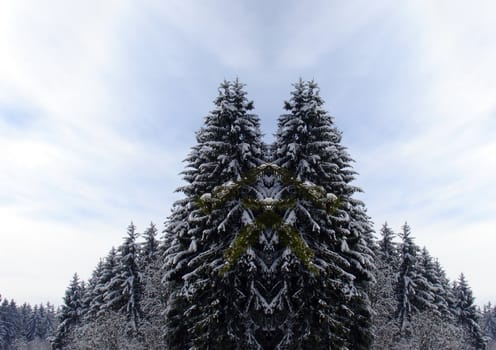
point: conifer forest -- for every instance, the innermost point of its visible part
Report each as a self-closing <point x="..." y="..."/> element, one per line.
<point x="268" y="248"/>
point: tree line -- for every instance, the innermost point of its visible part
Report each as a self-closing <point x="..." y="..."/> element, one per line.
<point x="416" y="306"/>
<point x="25" y="325"/>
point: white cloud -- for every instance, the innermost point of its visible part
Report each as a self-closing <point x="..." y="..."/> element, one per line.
<point x="310" y="30"/>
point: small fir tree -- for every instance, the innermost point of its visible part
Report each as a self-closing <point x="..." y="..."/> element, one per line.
<point x="91" y="293"/>
<point x="7" y="325"/>
<point x="433" y="286"/>
<point x="466" y="312"/>
<point x="70" y="314"/>
<point x="124" y="291"/>
<point x="98" y="306"/>
<point x="488" y="321"/>
<point x="388" y="250"/>
<point x="413" y="290"/>
<point x="150" y="247"/>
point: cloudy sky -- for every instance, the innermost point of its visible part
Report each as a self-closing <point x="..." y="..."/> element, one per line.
<point x="99" y="102"/>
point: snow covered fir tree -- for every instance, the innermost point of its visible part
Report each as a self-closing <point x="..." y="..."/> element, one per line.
<point x="205" y="307"/>
<point x="330" y="309"/>
<point x="269" y="248"/>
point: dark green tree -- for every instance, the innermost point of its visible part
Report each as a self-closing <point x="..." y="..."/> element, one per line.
<point x="97" y="304"/>
<point x="433" y="285"/>
<point x="331" y="309"/>
<point x="388" y="248"/>
<point x="124" y="291"/>
<point x="70" y="313"/>
<point x="445" y="292"/>
<point x="91" y="293"/>
<point x="206" y="310"/>
<point x="488" y="321"/>
<point x="33" y="324"/>
<point x="411" y="289"/>
<point x="7" y="325"/>
<point x="150" y="247"/>
<point x="466" y="312"/>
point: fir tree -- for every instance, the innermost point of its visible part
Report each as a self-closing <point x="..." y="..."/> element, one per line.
<point x="205" y="309"/>
<point x="433" y="288"/>
<point x="7" y="325"/>
<point x="70" y="314"/>
<point x="50" y="320"/>
<point x="413" y="290"/>
<point x="153" y="303"/>
<point x="91" y="293"/>
<point x="24" y="316"/>
<point x="388" y="250"/>
<point x="33" y="324"/>
<point x="124" y="291"/>
<point x="97" y="304"/>
<point x="382" y="294"/>
<point x="150" y="247"/>
<point x="331" y="309"/>
<point x="42" y="328"/>
<point x="446" y="293"/>
<point x="466" y="312"/>
<point x="488" y="321"/>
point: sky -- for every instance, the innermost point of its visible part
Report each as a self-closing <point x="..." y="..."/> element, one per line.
<point x="100" y="101"/>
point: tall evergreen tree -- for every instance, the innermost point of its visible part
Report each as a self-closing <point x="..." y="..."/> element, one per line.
<point x="154" y="297"/>
<point x="42" y="329"/>
<point x="70" y="314"/>
<point x="206" y="309"/>
<point x="330" y="310"/>
<point x="50" y="321"/>
<point x="467" y="313"/>
<point x="433" y="284"/>
<point x="412" y="288"/>
<point x="24" y="315"/>
<point x="150" y="247"/>
<point x="7" y="325"/>
<point x="124" y="291"/>
<point x="91" y="292"/>
<point x="383" y="294"/>
<point x="33" y="324"/>
<point x="388" y="250"/>
<point x="97" y="304"/>
<point x="488" y="321"/>
<point x="446" y="292"/>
